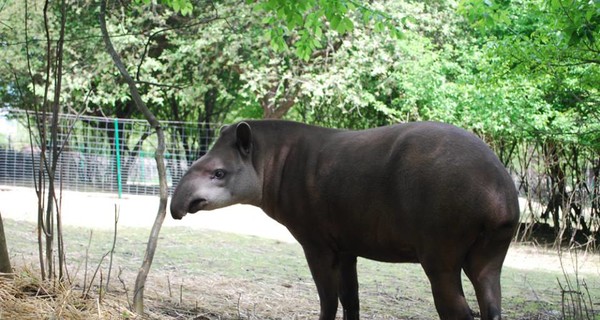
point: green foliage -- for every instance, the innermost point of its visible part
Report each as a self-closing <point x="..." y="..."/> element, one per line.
<point x="307" y="16"/>
<point x="551" y="49"/>
<point x="185" y="7"/>
<point x="417" y="77"/>
<point x="528" y="68"/>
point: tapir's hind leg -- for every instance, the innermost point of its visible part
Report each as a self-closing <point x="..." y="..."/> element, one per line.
<point x="483" y="266"/>
<point x="445" y="278"/>
<point x="348" y="287"/>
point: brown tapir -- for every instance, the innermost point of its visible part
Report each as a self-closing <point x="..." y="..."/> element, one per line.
<point x="417" y="192"/>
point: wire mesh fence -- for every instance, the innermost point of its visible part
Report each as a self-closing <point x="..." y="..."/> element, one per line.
<point x="98" y="154"/>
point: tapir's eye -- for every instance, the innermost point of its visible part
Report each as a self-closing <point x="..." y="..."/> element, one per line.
<point x="218" y="174"/>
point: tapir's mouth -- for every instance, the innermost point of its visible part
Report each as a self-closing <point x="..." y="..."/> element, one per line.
<point x="196" y="205"/>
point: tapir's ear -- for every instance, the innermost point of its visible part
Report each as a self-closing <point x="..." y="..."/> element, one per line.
<point x="223" y="127"/>
<point x="244" y="137"/>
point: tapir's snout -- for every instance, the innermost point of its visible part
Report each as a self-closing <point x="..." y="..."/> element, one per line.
<point x="193" y="206"/>
<point x="186" y="199"/>
<point x="177" y="211"/>
<point x="180" y="203"/>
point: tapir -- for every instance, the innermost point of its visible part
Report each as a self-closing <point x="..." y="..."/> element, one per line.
<point x="421" y="192"/>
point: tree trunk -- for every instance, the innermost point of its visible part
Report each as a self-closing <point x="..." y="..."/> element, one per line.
<point x="595" y="216"/>
<point x="558" y="189"/>
<point x="274" y="104"/>
<point x="5" y="266"/>
<point x="140" y="282"/>
<point x="48" y="202"/>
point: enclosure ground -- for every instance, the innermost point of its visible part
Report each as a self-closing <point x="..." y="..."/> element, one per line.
<point x="238" y="263"/>
<point x="96" y="210"/>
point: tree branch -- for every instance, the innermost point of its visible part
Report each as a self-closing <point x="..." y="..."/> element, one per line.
<point x="139" y="67"/>
<point x="140" y="282"/>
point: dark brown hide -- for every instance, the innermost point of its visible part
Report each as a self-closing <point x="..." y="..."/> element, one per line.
<point x="428" y="193"/>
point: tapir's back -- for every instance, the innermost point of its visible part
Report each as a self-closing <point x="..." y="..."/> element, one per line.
<point x="414" y="161"/>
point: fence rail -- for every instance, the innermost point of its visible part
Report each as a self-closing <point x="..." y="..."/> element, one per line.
<point x="99" y="154"/>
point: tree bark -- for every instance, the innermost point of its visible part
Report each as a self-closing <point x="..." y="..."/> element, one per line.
<point x="5" y="266"/>
<point x="558" y="189"/>
<point x="275" y="107"/>
<point x="140" y="282"/>
<point x="596" y="200"/>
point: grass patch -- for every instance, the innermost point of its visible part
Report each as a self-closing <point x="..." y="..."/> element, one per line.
<point x="199" y="274"/>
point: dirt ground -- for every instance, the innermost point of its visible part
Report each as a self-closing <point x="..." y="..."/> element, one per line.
<point x="96" y="211"/>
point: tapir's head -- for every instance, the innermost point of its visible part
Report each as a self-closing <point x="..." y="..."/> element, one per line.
<point x="224" y="176"/>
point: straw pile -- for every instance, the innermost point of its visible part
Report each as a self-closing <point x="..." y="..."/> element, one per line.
<point x="23" y="295"/>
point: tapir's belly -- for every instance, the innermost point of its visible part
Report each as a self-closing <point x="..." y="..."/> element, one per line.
<point x="371" y="236"/>
<point x="385" y="253"/>
<point x="390" y="232"/>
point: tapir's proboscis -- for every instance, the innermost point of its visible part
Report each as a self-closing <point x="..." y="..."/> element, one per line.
<point x="422" y="192"/>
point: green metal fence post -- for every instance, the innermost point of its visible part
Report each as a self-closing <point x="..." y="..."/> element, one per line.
<point x="117" y="146"/>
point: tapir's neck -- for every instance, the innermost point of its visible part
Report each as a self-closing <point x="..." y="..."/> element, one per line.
<point x="275" y="157"/>
<point x="273" y="166"/>
<point x="283" y="151"/>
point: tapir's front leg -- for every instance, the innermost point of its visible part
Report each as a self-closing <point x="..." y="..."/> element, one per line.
<point x="335" y="276"/>
<point x="323" y="267"/>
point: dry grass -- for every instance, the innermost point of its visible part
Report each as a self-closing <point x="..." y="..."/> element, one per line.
<point x="25" y="296"/>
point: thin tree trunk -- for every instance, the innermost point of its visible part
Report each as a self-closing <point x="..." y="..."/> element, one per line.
<point x="140" y="282"/>
<point x="5" y="266"/>
<point x="53" y="77"/>
<point x="595" y="215"/>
